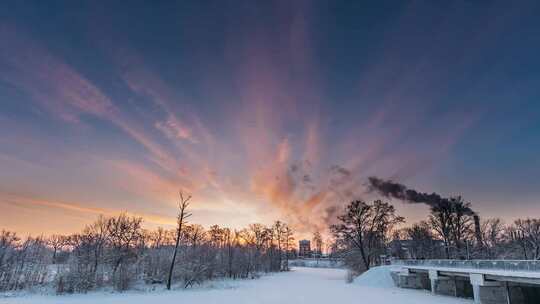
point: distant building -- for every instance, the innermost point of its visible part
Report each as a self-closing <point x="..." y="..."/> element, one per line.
<point x="304" y="248"/>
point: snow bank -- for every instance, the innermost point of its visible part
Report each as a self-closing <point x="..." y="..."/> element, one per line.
<point x="376" y="277"/>
<point x="302" y="285"/>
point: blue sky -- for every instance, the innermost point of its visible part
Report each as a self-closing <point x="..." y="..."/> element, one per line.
<point x="264" y="110"/>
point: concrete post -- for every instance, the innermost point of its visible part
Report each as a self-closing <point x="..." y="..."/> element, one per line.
<point x="476" y="293"/>
<point x="477" y="280"/>
<point x="433" y="285"/>
<point x="508" y="297"/>
<point x="433" y="276"/>
<point x="488" y="292"/>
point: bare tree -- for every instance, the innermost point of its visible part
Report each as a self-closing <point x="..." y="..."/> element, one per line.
<point x="278" y="234"/>
<point x="124" y="234"/>
<point x="364" y="228"/>
<point x="288" y="242"/>
<point x="98" y="232"/>
<point x="318" y="242"/>
<point x="518" y="241"/>
<point x="440" y="220"/>
<point x="461" y="225"/>
<point x="231" y="238"/>
<point x="183" y="204"/>
<point x="493" y="237"/>
<point x="529" y="230"/>
<point x="8" y="242"/>
<point x="193" y="234"/>
<point x="423" y="245"/>
<point x="56" y="242"/>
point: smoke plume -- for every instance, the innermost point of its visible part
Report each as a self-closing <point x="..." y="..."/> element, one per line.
<point x="391" y="189"/>
<point x="434" y="201"/>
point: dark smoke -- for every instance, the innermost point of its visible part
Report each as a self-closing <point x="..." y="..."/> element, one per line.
<point x="434" y="201"/>
<point x="395" y="190"/>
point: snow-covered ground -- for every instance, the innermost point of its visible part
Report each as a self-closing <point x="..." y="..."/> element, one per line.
<point x="376" y="277"/>
<point x="302" y="285"/>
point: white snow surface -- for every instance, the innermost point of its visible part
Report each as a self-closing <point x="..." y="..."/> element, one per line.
<point x="301" y="285"/>
<point x="378" y="277"/>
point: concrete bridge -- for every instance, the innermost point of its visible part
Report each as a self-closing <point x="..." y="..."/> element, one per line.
<point x="486" y="281"/>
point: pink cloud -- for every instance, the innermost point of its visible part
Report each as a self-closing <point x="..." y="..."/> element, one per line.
<point x="34" y="202"/>
<point x="174" y="129"/>
<point x="65" y="92"/>
<point x="58" y="88"/>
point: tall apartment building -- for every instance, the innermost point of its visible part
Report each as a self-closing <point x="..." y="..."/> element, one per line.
<point x="304" y="248"/>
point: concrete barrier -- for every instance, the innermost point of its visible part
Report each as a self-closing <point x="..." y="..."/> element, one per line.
<point x="405" y="279"/>
<point x="493" y="282"/>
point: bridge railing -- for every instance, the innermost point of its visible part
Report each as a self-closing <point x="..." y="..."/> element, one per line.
<point x="506" y="265"/>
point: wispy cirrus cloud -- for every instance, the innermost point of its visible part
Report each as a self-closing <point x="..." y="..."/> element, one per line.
<point x="64" y="92"/>
<point x="49" y="81"/>
<point x="78" y="210"/>
<point x="174" y="129"/>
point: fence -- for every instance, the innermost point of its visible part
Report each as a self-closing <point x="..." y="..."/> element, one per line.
<point x="507" y="265"/>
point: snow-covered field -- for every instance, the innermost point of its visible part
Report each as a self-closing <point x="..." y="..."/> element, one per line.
<point x="302" y="285"/>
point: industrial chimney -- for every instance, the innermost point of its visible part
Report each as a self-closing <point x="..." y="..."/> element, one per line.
<point x="477" y="230"/>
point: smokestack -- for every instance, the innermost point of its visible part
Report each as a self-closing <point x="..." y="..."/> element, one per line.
<point x="477" y="230"/>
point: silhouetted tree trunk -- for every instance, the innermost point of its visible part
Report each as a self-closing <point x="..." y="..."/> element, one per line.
<point x="288" y="238"/>
<point x="182" y="216"/>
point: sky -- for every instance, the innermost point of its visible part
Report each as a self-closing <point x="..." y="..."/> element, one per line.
<point x="264" y="110"/>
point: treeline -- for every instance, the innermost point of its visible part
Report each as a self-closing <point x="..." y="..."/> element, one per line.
<point x="519" y="240"/>
<point x="368" y="233"/>
<point x="118" y="252"/>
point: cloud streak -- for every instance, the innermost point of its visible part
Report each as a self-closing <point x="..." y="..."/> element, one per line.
<point x="80" y="210"/>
